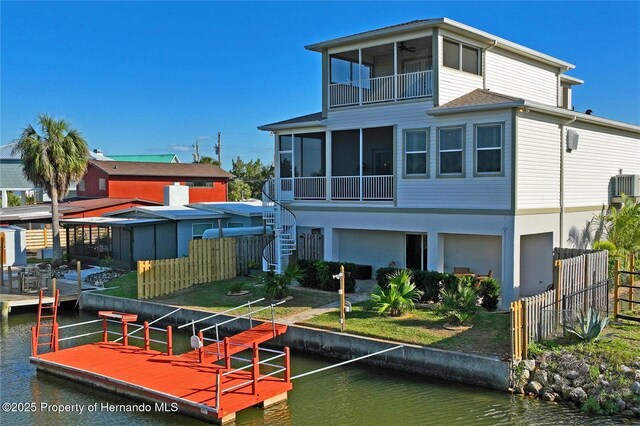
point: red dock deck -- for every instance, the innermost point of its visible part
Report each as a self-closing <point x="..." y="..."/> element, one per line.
<point x="194" y="387"/>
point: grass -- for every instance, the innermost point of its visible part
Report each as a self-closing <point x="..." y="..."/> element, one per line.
<point x="33" y="260"/>
<point x="124" y="286"/>
<point x="213" y="296"/>
<point x="489" y="334"/>
<point x="620" y="344"/>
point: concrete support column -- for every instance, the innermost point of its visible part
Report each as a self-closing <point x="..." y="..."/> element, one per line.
<point x="435" y="251"/>
<point x="5" y="201"/>
<point x="331" y="251"/>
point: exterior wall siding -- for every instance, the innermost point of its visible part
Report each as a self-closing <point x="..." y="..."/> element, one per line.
<point x="91" y="183"/>
<point x="538" y="162"/>
<point x="590" y="168"/>
<point x="509" y="74"/>
<point x="153" y="189"/>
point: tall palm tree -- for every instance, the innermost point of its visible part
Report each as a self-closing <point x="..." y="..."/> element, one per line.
<point x="51" y="160"/>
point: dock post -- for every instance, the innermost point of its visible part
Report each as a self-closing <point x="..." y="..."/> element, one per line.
<point x="287" y="364"/>
<point x="53" y="287"/>
<point x="146" y="335"/>
<point x="54" y="337"/>
<point x="10" y="276"/>
<point x="227" y="358"/>
<point x="79" y="271"/>
<point x="169" y="341"/>
<point x="125" y="334"/>
<point x="105" y="328"/>
<point x="6" y="308"/>
<point x="34" y="342"/>
<point x="255" y="369"/>
<point x="201" y="347"/>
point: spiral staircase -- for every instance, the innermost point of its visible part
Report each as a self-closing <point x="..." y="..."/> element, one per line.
<point x="276" y="252"/>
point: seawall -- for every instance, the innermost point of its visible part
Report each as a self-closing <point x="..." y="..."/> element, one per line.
<point x="479" y="370"/>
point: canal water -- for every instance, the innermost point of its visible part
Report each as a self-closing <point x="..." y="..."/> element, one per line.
<point x="349" y="395"/>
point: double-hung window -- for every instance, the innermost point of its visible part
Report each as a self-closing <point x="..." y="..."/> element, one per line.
<point x="488" y="147"/>
<point x="416" y="152"/>
<point x="451" y="151"/>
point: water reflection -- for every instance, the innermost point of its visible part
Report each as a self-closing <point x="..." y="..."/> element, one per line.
<point x="350" y="395"/>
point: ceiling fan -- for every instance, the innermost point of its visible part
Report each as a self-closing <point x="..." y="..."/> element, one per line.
<point x="403" y="48"/>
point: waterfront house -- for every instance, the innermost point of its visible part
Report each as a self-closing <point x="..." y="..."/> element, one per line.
<point x="441" y="146"/>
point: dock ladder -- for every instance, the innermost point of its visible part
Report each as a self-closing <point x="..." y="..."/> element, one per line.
<point x="47" y="325"/>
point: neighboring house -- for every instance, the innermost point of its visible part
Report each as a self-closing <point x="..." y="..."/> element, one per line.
<point x="147" y="158"/>
<point x="147" y="180"/>
<point x="11" y="177"/>
<point x="37" y="216"/>
<point x="441" y="146"/>
<point x="155" y="232"/>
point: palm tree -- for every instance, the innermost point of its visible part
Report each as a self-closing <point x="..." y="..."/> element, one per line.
<point x="400" y="294"/>
<point x="51" y="160"/>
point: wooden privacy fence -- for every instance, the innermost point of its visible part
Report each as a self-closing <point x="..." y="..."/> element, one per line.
<point x="632" y="311"/>
<point x="43" y="238"/>
<point x="208" y="260"/>
<point x="580" y="282"/>
<point x="310" y="247"/>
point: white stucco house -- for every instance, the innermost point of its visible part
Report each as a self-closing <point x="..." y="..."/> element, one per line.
<point x="440" y="146"/>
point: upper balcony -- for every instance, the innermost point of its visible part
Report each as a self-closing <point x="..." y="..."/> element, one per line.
<point x="385" y="73"/>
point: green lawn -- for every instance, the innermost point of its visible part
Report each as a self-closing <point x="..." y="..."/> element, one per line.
<point x="213" y="296"/>
<point x="489" y="334"/>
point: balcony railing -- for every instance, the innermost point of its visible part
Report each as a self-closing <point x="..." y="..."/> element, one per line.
<point x="381" y="89"/>
<point x="343" y="188"/>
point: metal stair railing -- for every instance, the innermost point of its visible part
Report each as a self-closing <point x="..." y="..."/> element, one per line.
<point x="283" y="222"/>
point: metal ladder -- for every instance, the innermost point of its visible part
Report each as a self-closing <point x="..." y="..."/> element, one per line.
<point x="277" y="251"/>
<point x="47" y="324"/>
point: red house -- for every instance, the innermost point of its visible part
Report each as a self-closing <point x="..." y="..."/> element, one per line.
<point x="119" y="179"/>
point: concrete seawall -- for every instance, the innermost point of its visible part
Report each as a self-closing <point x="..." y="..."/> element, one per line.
<point x="471" y="369"/>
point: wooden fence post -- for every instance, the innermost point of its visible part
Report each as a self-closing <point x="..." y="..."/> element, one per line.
<point x="45" y="237"/>
<point x="557" y="274"/>
<point x="616" y="290"/>
<point x="525" y="329"/>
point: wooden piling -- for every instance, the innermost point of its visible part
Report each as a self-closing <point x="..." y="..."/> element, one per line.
<point x="79" y="271"/>
<point x="146" y="335"/>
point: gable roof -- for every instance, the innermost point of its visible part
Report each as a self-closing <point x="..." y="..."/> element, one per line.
<point x="141" y="168"/>
<point x="479" y="97"/>
<point x="308" y="120"/>
<point x="147" y="158"/>
<point x="448" y="24"/>
<point x="6" y="152"/>
<point x="12" y="177"/>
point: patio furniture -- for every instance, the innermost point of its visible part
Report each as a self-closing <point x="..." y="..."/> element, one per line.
<point x="463" y="271"/>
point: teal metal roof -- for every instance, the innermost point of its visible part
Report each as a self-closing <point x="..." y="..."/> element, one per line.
<point x="11" y="177"/>
<point x="147" y="158"/>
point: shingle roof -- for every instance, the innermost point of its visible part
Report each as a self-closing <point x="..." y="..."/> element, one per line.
<point x="11" y="177"/>
<point x="478" y="97"/>
<point x="6" y="152"/>
<point x="178" y="170"/>
<point x="309" y="118"/>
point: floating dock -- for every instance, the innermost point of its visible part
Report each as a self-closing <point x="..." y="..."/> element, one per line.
<point x="191" y="383"/>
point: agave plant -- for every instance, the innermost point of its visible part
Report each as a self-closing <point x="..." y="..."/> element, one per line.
<point x="589" y="325"/>
<point x="399" y="295"/>
<point x="276" y="286"/>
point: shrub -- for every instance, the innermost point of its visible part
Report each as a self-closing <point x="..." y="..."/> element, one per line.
<point x="489" y="291"/>
<point x="399" y="296"/>
<point x="429" y="282"/>
<point x="458" y="305"/>
<point x="276" y="286"/>
<point x="382" y="275"/>
<point x="319" y="275"/>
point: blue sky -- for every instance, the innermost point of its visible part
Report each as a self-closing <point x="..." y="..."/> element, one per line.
<point x="151" y="77"/>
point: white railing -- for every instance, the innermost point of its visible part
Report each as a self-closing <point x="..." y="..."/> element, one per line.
<point x="310" y="188"/>
<point x="374" y="188"/>
<point x="382" y="89"/>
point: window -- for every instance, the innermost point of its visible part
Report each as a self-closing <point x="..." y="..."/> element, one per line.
<point x="461" y="57"/>
<point x="285" y="148"/>
<point x="416" y="156"/>
<point x="197" y="230"/>
<point x="81" y="186"/>
<point x="102" y="184"/>
<point x="235" y="225"/>
<point x="488" y="144"/>
<point x="450" y="151"/>
<point x="200" y="184"/>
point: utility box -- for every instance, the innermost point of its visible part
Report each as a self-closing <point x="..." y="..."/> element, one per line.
<point x="15" y="240"/>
